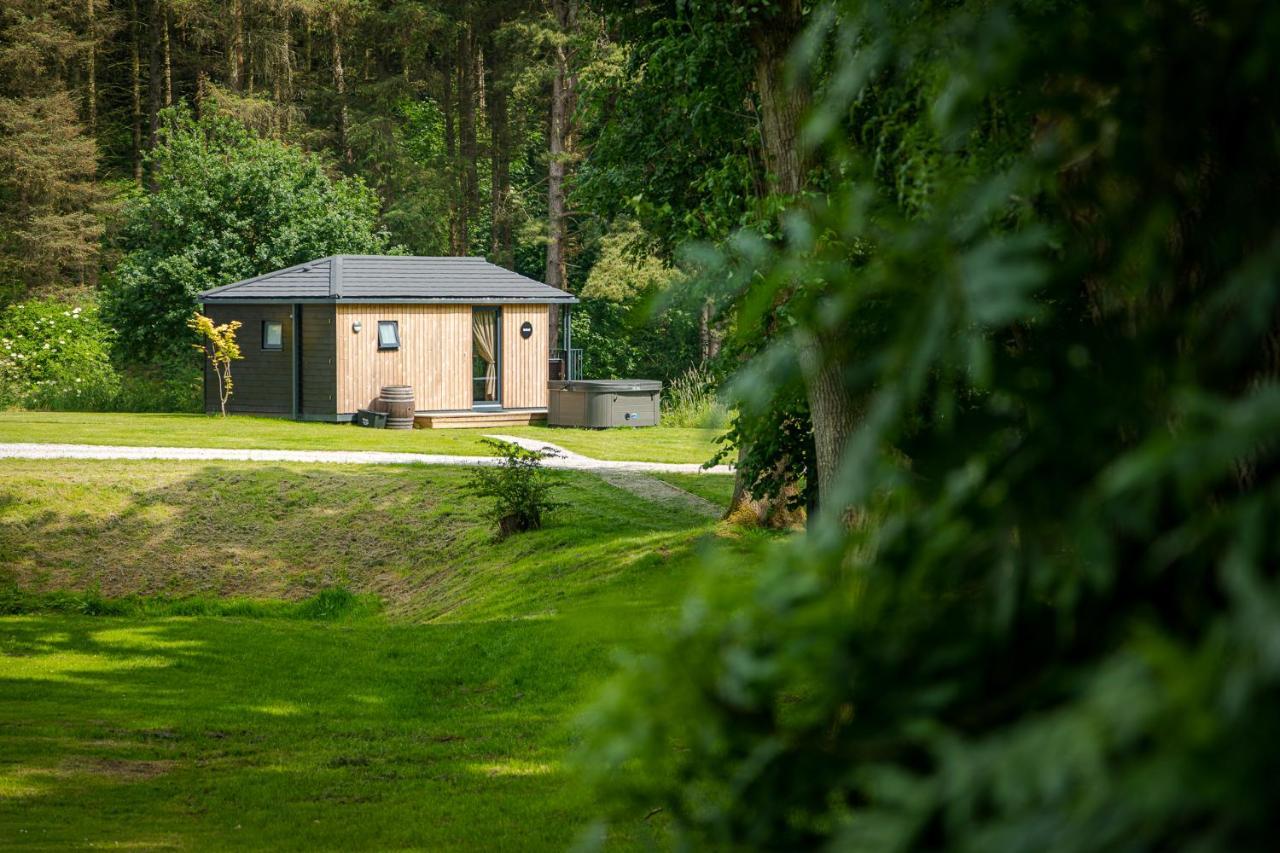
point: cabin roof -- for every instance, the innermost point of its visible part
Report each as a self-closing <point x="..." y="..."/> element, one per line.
<point x="389" y="278"/>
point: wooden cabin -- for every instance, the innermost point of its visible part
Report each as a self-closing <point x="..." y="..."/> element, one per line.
<point x="321" y="339"/>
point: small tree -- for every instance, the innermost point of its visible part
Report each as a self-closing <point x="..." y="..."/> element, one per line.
<point x="519" y="485"/>
<point x="218" y="343"/>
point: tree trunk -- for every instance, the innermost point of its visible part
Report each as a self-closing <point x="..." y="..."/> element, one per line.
<point x="284" y="74"/>
<point x="782" y="107"/>
<point x="168" y="62"/>
<point x="91" y="69"/>
<point x="467" y="148"/>
<point x="135" y="69"/>
<point x="340" y="84"/>
<point x="501" y="248"/>
<point x="831" y="409"/>
<point x="155" y="77"/>
<point x="451" y="153"/>
<point x="560" y="139"/>
<point x="235" y="47"/>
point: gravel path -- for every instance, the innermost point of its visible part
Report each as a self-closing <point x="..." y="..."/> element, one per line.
<point x="567" y="460"/>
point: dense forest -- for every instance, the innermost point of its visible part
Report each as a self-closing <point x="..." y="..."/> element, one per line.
<point x="466" y="120"/>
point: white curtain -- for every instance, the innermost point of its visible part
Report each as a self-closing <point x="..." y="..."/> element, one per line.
<point x="485" y="323"/>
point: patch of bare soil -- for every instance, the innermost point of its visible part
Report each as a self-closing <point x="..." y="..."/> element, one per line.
<point x="121" y="769"/>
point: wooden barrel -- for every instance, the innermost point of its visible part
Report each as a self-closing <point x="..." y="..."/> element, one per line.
<point x="397" y="402"/>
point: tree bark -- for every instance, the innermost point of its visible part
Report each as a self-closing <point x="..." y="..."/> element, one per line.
<point x="451" y="153"/>
<point x="560" y="145"/>
<point x="340" y="84"/>
<point x="168" y="61"/>
<point x="831" y="408"/>
<point x="91" y="69"/>
<point x="501" y="247"/>
<point x="467" y="147"/>
<point x="135" y="69"/>
<point x="235" y="47"/>
<point x="155" y="76"/>
<point x="284" y="74"/>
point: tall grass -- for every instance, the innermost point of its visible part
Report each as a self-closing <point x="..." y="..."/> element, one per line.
<point x="691" y="400"/>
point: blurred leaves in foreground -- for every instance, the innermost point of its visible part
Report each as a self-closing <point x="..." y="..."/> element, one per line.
<point x="1047" y="244"/>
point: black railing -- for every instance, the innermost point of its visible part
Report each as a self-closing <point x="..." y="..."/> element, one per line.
<point x="566" y="364"/>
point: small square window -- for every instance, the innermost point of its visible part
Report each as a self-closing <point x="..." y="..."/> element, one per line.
<point x="272" y="335"/>
<point x="388" y="334"/>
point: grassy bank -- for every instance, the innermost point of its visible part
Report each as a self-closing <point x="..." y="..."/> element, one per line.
<point x="653" y="444"/>
<point x="288" y="714"/>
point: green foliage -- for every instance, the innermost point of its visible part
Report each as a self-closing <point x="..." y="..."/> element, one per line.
<point x="671" y="143"/>
<point x="624" y="269"/>
<point x="647" y="337"/>
<point x="226" y="205"/>
<point x="518" y="485"/>
<point x="1047" y="262"/>
<point x="55" y="354"/>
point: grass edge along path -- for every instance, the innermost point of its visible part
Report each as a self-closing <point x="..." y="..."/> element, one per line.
<point x="644" y="444"/>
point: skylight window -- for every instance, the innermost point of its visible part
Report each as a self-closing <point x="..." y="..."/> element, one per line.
<point x="388" y="334"/>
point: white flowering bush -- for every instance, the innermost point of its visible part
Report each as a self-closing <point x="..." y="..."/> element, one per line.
<point x="55" y="354"/>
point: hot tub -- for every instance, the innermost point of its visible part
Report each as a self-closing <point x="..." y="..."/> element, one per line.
<point x="600" y="403"/>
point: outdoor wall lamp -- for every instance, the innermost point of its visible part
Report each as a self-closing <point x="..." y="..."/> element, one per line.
<point x="355" y="327"/>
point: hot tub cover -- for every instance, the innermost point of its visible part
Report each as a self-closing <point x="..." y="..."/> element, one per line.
<point x="607" y="386"/>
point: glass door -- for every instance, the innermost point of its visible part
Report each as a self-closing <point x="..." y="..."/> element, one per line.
<point x="486" y="358"/>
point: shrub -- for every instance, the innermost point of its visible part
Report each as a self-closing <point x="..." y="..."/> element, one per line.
<point x="55" y="354"/>
<point x="519" y="486"/>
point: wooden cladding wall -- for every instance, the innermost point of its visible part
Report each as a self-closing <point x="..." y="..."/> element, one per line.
<point x="434" y="355"/>
<point x="524" y="361"/>
<point x="263" y="379"/>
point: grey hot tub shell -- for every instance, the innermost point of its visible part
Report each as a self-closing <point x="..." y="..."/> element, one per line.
<point x="603" y="403"/>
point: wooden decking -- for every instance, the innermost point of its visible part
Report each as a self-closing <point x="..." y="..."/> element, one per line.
<point x="481" y="420"/>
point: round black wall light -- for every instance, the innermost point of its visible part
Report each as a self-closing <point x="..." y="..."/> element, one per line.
<point x="526" y="329"/>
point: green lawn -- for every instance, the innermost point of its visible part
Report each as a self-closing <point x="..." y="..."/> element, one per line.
<point x="652" y="444"/>
<point x="442" y="722"/>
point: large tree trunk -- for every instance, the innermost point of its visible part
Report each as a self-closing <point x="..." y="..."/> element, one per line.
<point x="782" y="107"/>
<point x="340" y="85"/>
<point x="831" y="408"/>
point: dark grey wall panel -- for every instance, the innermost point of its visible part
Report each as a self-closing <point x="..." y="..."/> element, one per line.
<point x="319" y="351"/>
<point x="263" y="379"/>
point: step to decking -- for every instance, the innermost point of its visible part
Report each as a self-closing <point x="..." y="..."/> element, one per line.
<point x="479" y="420"/>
